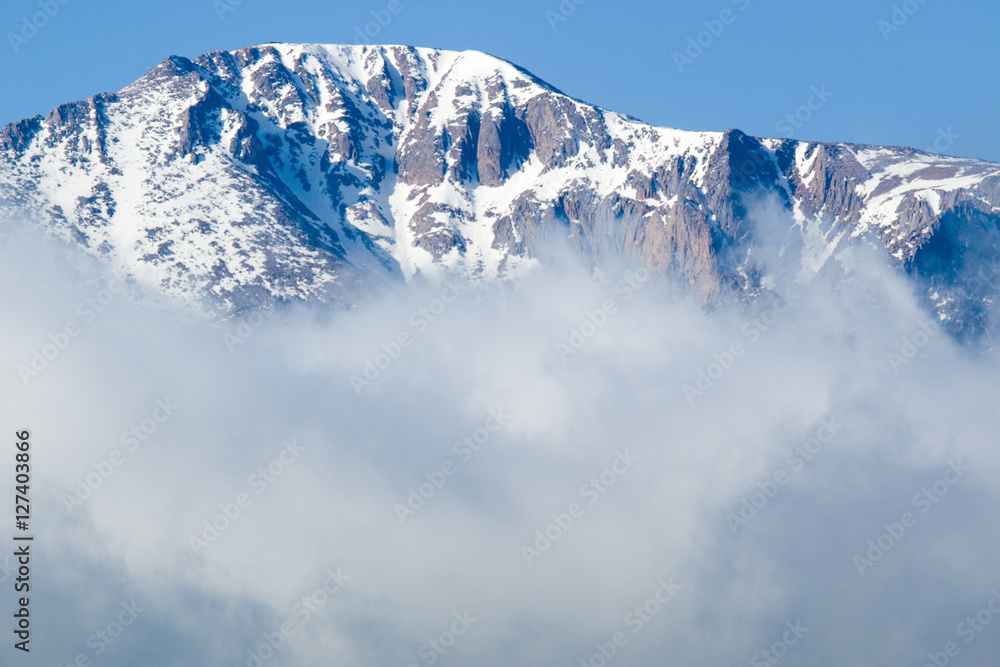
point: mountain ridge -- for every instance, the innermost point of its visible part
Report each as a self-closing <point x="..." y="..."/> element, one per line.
<point x="306" y="171"/>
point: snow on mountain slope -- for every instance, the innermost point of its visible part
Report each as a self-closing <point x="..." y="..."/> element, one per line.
<point x="288" y="171"/>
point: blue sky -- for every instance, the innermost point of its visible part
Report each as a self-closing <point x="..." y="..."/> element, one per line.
<point x="926" y="75"/>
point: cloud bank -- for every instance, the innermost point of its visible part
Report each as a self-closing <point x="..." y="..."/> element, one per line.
<point x="571" y="470"/>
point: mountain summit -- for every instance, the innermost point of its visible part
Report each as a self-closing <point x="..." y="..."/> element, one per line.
<point x="301" y="171"/>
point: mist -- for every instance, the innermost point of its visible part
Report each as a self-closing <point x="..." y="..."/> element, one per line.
<point x="576" y="468"/>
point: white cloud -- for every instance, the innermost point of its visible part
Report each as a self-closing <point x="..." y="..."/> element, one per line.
<point x="826" y="356"/>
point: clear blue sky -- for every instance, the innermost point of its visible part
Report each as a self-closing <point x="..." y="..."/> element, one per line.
<point x="937" y="71"/>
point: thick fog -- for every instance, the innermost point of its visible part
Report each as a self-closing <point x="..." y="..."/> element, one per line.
<point x="569" y="469"/>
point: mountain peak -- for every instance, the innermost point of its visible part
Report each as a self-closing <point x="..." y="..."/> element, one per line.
<point x="305" y="171"/>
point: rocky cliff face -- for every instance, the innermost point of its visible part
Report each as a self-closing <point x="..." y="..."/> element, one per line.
<point x="311" y="172"/>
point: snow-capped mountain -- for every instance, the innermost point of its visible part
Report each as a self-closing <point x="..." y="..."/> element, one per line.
<point x="288" y="171"/>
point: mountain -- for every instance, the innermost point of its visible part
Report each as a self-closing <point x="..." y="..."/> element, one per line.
<point x="288" y="171"/>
